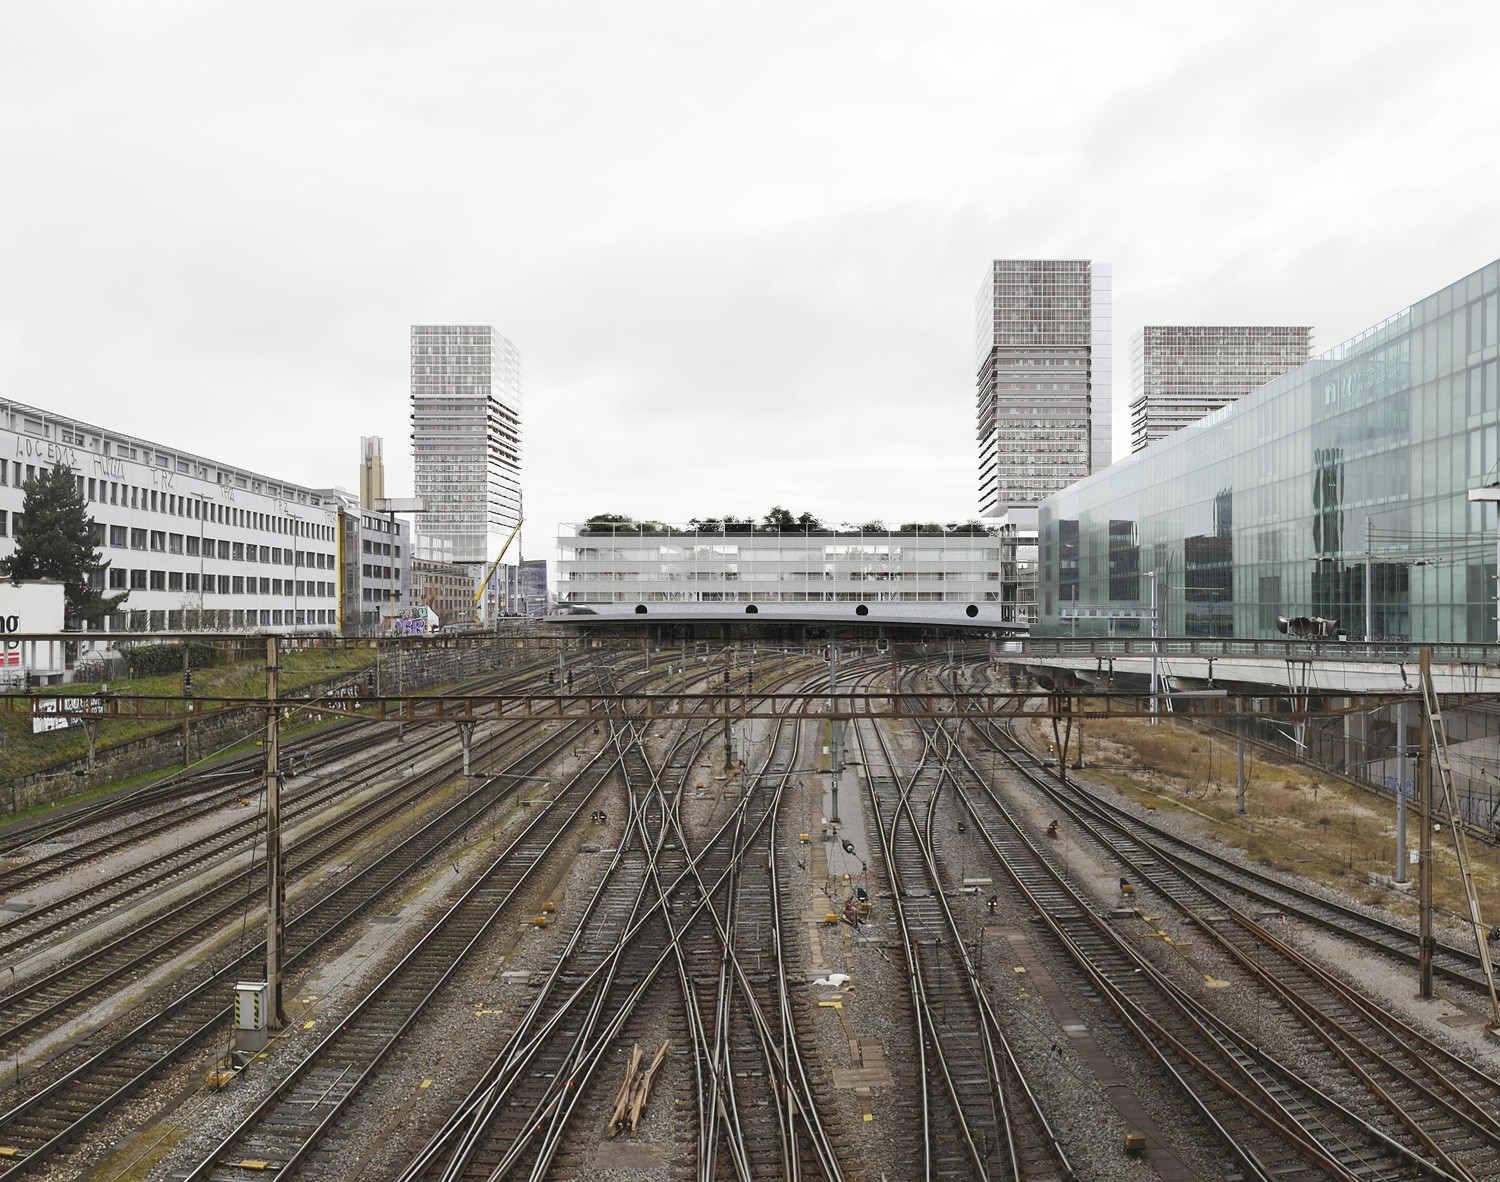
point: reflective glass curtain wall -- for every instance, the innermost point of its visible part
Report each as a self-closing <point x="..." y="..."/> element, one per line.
<point x="1276" y="504"/>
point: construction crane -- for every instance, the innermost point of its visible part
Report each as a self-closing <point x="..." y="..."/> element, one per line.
<point x="494" y="566"/>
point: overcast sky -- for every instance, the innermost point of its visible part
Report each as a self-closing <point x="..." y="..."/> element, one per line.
<point x="737" y="244"/>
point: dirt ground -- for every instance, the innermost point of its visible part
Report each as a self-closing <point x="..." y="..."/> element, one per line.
<point x="1297" y="818"/>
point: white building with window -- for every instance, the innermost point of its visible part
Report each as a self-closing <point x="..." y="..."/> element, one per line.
<point x="1181" y="372"/>
<point x="923" y="576"/>
<point x="466" y="438"/>
<point x="1042" y="363"/>
<point x="198" y="543"/>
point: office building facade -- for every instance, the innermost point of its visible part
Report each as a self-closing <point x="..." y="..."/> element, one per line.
<point x="446" y="589"/>
<point x="892" y="576"/>
<point x="375" y="575"/>
<point x="1043" y="370"/>
<point x="1337" y="490"/>
<point x="1181" y="372"/>
<point x="466" y="438"/>
<point x="198" y="544"/>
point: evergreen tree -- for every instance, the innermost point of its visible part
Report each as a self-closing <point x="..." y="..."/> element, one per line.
<point x="55" y="541"/>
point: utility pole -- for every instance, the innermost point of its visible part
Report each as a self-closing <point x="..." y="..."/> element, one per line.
<point x="1155" y="668"/>
<point x="275" y="887"/>
<point x="1425" y="938"/>
<point x="1369" y="605"/>
<point x="1401" y="793"/>
<point x="836" y="728"/>
<point x="1239" y="767"/>
<point x="187" y="710"/>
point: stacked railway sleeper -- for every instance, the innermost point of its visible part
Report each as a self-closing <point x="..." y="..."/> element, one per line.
<point x="58" y="1107"/>
<point x="979" y="1116"/>
<point x="1401" y="1081"/>
<point x="1275" y="1117"/>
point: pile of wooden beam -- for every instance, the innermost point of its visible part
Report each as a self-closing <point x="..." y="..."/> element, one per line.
<point x="630" y="1102"/>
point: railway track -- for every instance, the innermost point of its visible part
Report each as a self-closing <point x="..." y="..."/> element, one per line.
<point x="980" y="1117"/>
<point x="1140" y="839"/>
<point x="1280" y="1120"/>
<point x="286" y="1129"/>
<point x="1404" y="1084"/>
<point x="45" y="1123"/>
<point x="515" y="1122"/>
<point x="145" y="945"/>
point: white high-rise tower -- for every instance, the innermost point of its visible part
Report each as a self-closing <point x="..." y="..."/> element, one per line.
<point x="1042" y="360"/>
<point x="466" y="439"/>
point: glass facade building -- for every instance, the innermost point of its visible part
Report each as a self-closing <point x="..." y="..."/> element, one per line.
<point x="1337" y="490"/>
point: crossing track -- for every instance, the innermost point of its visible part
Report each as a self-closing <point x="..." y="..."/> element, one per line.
<point x="758" y="1114"/>
<point x="286" y="1128"/>
<point x="1276" y="1122"/>
<point x="44" y="1124"/>
<point x="1138" y="839"/>
<point x="1406" y="1086"/>
<point x="515" y="1121"/>
<point x="979" y="1116"/>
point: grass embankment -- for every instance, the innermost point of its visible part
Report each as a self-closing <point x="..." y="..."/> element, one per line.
<point x="23" y="753"/>
<point x="1297" y="818"/>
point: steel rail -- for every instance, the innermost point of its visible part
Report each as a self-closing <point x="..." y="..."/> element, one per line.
<point x="556" y="1103"/>
<point x="1419" y="1092"/>
<point x="385" y="1008"/>
<point x="115" y="1072"/>
<point x="1276" y="1097"/>
<point x="1383" y="935"/>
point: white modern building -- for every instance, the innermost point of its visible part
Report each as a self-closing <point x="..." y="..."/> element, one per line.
<point x="197" y="543"/>
<point x="1181" y="372"/>
<point x="375" y="554"/>
<point x="680" y="572"/>
<point x="1042" y="366"/>
<point x="466" y="439"/>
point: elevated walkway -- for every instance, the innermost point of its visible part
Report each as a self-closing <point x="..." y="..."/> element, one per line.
<point x="1330" y="667"/>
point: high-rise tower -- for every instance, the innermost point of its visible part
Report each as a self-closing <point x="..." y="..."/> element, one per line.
<point x="466" y="438"/>
<point x="1042" y="357"/>
<point x="1181" y="372"/>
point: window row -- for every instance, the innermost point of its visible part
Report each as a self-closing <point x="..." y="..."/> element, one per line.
<point x="123" y="537"/>
<point x="193" y="618"/>
<point x="140" y="579"/>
